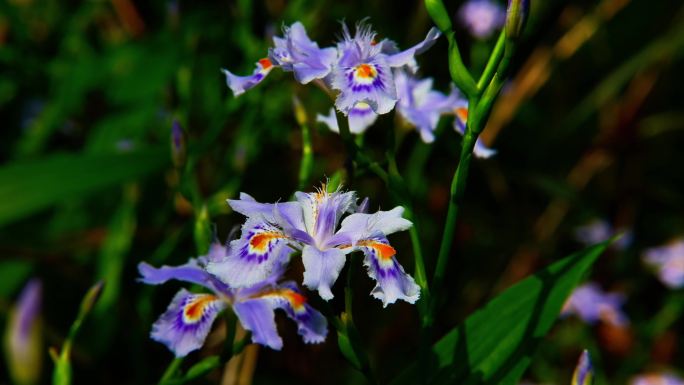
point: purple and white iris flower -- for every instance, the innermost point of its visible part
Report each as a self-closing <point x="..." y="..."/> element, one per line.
<point x="422" y="106"/>
<point x="657" y="379"/>
<point x="294" y="52"/>
<point x="669" y="262"/>
<point x="313" y="224"/>
<point x="482" y="17"/>
<point x="188" y="319"/>
<point x="460" y="120"/>
<point x="363" y="72"/>
<point x="592" y="304"/>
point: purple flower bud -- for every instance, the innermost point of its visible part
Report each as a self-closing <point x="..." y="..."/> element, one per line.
<point x="178" y="145"/>
<point x="584" y="372"/>
<point x="23" y="344"/>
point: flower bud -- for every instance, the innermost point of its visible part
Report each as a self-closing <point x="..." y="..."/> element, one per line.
<point x="584" y="372"/>
<point x="516" y="17"/>
<point x="179" y="149"/>
<point x="23" y="338"/>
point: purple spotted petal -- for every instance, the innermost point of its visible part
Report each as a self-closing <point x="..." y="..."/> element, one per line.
<point x="321" y="269"/>
<point x="187" y="322"/>
<point x="258" y="317"/>
<point x="253" y="257"/>
<point x="311" y="324"/>
<point x="369" y="81"/>
<point x="240" y="84"/>
<point x="392" y="281"/>
<point x="406" y="57"/>
<point x="361" y="116"/>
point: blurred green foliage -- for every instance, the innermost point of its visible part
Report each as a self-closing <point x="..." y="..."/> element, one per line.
<point x="88" y="91"/>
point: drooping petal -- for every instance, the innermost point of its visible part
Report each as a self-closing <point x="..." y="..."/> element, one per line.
<point x="657" y="379"/>
<point x="329" y="120"/>
<point x="190" y="272"/>
<point x="361" y="116"/>
<point x="311" y="324"/>
<point x="361" y="226"/>
<point x="240" y="84"/>
<point x="668" y="261"/>
<point x="187" y="321"/>
<point x="392" y="281"/>
<point x="253" y="257"/>
<point x="590" y="303"/>
<point x="406" y="57"/>
<point x="321" y="269"/>
<point x="258" y="317"/>
<point x="480" y="150"/>
<point x="297" y="52"/>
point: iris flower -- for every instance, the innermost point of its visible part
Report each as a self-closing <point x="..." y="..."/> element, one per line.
<point x="669" y="262"/>
<point x="584" y="372"/>
<point x="657" y="379"/>
<point x="313" y="224"/>
<point x="188" y="319"/>
<point x="592" y="304"/>
<point x="294" y="52"/>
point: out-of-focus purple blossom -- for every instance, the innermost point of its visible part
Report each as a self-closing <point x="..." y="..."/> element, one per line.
<point x="668" y="261"/>
<point x="584" y="372"/>
<point x="23" y="343"/>
<point x="187" y="321"/>
<point x="482" y="17"/>
<point x="599" y="230"/>
<point x="460" y="120"/>
<point x="422" y="106"/>
<point x="591" y="304"/>
<point x="656" y="379"/>
<point x="312" y="224"/>
<point x="179" y="147"/>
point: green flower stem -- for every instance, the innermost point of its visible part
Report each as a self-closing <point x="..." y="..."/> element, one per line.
<point x="492" y="63"/>
<point x="459" y="73"/>
<point x="306" y="166"/>
<point x="171" y="370"/>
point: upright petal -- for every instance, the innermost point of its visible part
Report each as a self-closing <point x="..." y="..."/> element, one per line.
<point x="406" y="57"/>
<point x="261" y="249"/>
<point x="322" y="211"/>
<point x="392" y="281"/>
<point x="187" y="322"/>
<point x="321" y="269"/>
<point x="258" y="317"/>
<point x="240" y="84"/>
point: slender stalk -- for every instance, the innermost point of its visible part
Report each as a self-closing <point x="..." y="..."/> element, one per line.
<point x="493" y="62"/>
<point x="459" y="73"/>
<point x="171" y="370"/>
<point x="307" y="157"/>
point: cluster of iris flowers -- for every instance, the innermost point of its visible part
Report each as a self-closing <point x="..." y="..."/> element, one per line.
<point x="247" y="274"/>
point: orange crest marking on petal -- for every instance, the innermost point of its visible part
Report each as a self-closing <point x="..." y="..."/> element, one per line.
<point x="462" y="114"/>
<point x="383" y="250"/>
<point x="265" y="63"/>
<point x="297" y="300"/>
<point x="366" y="71"/>
<point x="260" y="241"/>
<point x="194" y="310"/>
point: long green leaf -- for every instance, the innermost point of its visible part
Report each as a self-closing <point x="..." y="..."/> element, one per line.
<point x="496" y="343"/>
<point x="28" y="187"/>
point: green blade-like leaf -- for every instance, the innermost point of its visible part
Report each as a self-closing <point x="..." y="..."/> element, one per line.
<point x="31" y="186"/>
<point x="496" y="343"/>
